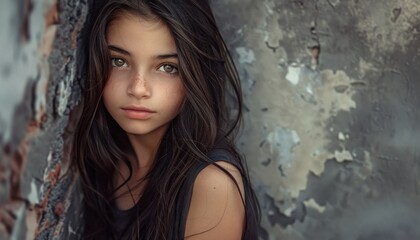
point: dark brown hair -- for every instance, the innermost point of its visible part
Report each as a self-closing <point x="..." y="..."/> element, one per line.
<point x="211" y="83"/>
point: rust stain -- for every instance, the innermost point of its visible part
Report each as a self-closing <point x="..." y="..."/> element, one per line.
<point x="40" y="230"/>
<point x="75" y="34"/>
<point x="51" y="22"/>
<point x="33" y="127"/>
<point x="48" y="41"/>
<point x="59" y="209"/>
<point x="52" y="177"/>
<point x="51" y="17"/>
<point x="16" y="167"/>
<point x="73" y="41"/>
<point x="4" y="169"/>
<point x="8" y="216"/>
<point x="315" y="51"/>
<point x="24" y="28"/>
<point x="17" y="160"/>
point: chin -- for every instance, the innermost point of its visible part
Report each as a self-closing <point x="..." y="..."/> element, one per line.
<point x="136" y="130"/>
<point x="141" y="129"/>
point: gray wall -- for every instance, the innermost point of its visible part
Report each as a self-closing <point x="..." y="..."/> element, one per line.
<point x="38" y="90"/>
<point x="331" y="130"/>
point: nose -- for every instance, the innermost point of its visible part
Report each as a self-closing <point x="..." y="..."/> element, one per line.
<point x="138" y="87"/>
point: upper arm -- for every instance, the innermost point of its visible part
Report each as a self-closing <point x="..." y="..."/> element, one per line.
<point x="216" y="210"/>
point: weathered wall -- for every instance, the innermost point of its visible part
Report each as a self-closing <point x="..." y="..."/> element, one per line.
<point x="38" y="90"/>
<point x="332" y="131"/>
<point x="331" y="125"/>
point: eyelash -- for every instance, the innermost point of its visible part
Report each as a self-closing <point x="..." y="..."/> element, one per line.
<point x="171" y="65"/>
<point x="162" y="65"/>
<point x="115" y="58"/>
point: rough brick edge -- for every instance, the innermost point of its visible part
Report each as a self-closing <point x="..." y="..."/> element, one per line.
<point x="60" y="208"/>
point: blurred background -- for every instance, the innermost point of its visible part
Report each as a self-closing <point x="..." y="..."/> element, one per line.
<point x="332" y="124"/>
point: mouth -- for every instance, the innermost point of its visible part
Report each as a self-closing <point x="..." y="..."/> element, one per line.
<point x="137" y="112"/>
<point x="137" y="108"/>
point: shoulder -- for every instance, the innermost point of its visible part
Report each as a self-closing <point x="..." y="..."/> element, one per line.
<point x="216" y="208"/>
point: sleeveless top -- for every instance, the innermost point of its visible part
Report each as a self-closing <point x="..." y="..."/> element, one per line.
<point x="121" y="217"/>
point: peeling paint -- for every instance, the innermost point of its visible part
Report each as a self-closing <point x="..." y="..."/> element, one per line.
<point x="33" y="196"/>
<point x="245" y="55"/>
<point x="343" y="76"/>
<point x="280" y="143"/>
<point x="309" y="89"/>
<point x="311" y="203"/>
<point x="20" y="228"/>
<point x="293" y="74"/>
<point x="341" y="136"/>
<point x="342" y="155"/>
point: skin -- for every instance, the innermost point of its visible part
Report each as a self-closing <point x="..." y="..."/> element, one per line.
<point x="216" y="210"/>
<point x="144" y="73"/>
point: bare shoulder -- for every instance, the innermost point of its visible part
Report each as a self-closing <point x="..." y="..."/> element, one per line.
<point x="216" y="209"/>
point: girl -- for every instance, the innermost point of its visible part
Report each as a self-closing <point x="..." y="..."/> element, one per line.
<point x="154" y="144"/>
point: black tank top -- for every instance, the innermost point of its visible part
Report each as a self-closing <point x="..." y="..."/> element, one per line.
<point x="122" y="217"/>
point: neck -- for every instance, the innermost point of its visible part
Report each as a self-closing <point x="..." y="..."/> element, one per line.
<point x="146" y="147"/>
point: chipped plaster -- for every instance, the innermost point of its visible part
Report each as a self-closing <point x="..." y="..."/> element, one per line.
<point x="342" y="76"/>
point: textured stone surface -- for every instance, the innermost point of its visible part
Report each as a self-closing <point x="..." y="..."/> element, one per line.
<point x="38" y="195"/>
<point x="332" y="123"/>
<point x="331" y="130"/>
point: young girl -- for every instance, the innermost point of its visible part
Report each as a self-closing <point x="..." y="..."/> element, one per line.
<point x="154" y="144"/>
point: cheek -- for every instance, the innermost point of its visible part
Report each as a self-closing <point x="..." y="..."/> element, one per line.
<point x="107" y="93"/>
<point x="116" y="82"/>
<point x="111" y="92"/>
<point x="175" y="96"/>
<point x="119" y="78"/>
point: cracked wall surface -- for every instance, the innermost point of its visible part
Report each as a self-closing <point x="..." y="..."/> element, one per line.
<point x="39" y="198"/>
<point x="331" y="133"/>
<point x="332" y="122"/>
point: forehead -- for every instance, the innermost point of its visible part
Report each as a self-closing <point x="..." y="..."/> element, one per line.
<point x="135" y="33"/>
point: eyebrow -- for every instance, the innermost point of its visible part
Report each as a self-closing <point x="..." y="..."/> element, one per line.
<point x="119" y="50"/>
<point x="166" y="56"/>
<point x="125" y="52"/>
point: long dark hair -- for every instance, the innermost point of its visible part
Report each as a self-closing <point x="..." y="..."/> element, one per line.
<point x="211" y="83"/>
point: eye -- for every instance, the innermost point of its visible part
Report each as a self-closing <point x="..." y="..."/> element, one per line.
<point x="118" y="62"/>
<point x="168" y="68"/>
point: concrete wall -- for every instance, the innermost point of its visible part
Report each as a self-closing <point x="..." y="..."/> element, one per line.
<point x="331" y="135"/>
<point x="332" y="132"/>
<point x="38" y="90"/>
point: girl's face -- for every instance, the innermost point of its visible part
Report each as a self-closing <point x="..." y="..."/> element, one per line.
<point x="144" y="92"/>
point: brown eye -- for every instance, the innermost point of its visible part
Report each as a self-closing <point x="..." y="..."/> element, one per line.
<point x="168" y="68"/>
<point x="118" y="62"/>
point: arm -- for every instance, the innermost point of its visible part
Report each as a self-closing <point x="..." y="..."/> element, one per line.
<point x="216" y="210"/>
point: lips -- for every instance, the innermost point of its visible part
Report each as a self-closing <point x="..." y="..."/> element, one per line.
<point x="137" y="108"/>
<point x="137" y="112"/>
